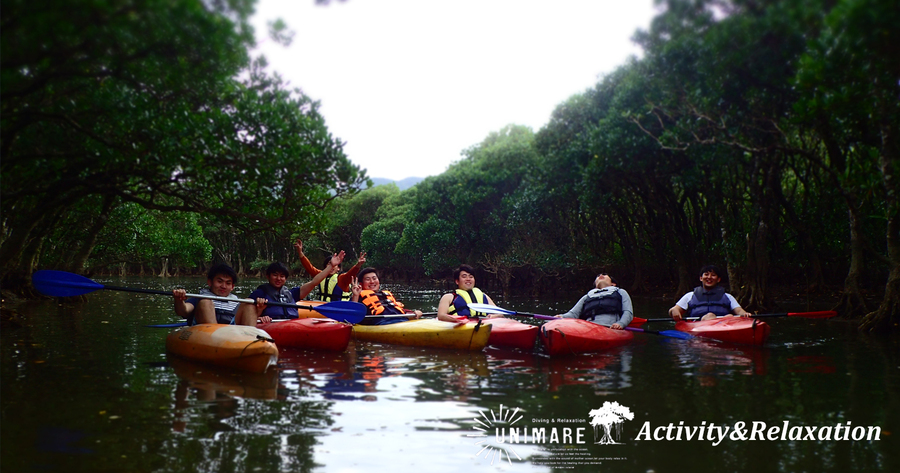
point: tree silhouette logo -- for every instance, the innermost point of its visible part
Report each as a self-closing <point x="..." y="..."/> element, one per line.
<point x="611" y="414"/>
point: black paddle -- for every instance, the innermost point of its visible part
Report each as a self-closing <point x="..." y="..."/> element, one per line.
<point x="64" y="284"/>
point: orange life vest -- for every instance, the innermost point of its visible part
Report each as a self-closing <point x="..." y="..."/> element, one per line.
<point x="381" y="302"/>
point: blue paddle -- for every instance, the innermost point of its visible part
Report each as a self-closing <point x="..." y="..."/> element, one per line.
<point x="64" y="284"/>
<point x="491" y="309"/>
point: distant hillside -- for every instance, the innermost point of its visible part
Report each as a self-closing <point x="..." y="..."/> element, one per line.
<point x="402" y="184"/>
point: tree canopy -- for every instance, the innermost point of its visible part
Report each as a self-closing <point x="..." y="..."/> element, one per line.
<point x="758" y="135"/>
<point x="157" y="104"/>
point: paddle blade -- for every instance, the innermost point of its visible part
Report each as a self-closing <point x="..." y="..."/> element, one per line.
<point x="676" y="334"/>
<point x="62" y="284"/>
<point x="342" y="311"/>
<point x="825" y="314"/>
<point x="490" y="309"/>
<point x="664" y="333"/>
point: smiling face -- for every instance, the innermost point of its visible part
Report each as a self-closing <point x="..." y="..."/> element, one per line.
<point x="466" y="281"/>
<point x="370" y="282"/>
<point x="221" y="285"/>
<point x="277" y="279"/>
<point x="709" y="279"/>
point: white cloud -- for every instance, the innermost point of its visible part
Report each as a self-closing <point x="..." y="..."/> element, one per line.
<point x="409" y="84"/>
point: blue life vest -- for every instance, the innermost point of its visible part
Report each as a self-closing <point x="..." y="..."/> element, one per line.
<point x="608" y="303"/>
<point x="704" y="302"/>
<point x="284" y="295"/>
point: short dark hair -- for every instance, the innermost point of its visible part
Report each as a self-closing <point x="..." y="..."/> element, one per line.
<point x="365" y="271"/>
<point x="711" y="268"/>
<point x="611" y="278"/>
<point x="222" y="268"/>
<point x="277" y="267"/>
<point x="460" y="269"/>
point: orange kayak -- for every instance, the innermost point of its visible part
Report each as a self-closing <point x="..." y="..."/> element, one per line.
<point x="575" y="336"/>
<point x="310" y="333"/>
<point x="233" y="346"/>
<point x="226" y="381"/>
<point x="749" y="331"/>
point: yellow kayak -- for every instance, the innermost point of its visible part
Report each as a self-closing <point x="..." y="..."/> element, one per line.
<point x="234" y="346"/>
<point x="427" y="333"/>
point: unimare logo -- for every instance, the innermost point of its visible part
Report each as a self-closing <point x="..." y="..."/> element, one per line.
<point x="610" y="415"/>
<point x="486" y="426"/>
<point x="496" y="433"/>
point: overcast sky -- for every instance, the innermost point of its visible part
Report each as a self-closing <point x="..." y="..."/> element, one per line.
<point x="409" y="84"/>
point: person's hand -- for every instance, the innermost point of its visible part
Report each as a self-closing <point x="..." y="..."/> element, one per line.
<point x="355" y="288"/>
<point x="179" y="295"/>
<point x="616" y="326"/>
<point x="260" y="307"/>
<point x="299" y="245"/>
<point x="264" y="319"/>
<point x="418" y="314"/>
<point x="337" y="259"/>
<point x="362" y="258"/>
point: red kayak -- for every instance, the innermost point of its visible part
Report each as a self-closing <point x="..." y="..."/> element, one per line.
<point x="749" y="331"/>
<point x="574" y="336"/>
<point x="313" y="334"/>
<point x="510" y="333"/>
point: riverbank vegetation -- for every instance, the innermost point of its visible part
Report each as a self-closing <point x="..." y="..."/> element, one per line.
<point x="759" y="135"/>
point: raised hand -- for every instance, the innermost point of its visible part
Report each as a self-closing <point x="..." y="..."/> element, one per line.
<point x="355" y="288"/>
<point x="299" y="246"/>
<point x="337" y="259"/>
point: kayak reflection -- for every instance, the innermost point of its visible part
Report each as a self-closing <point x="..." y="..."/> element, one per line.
<point x="217" y="387"/>
<point x="709" y="359"/>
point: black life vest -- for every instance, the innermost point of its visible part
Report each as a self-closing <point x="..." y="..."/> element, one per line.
<point x="607" y="303"/>
<point x="704" y="302"/>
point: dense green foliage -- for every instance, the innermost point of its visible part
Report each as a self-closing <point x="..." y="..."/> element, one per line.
<point x="758" y="135"/>
<point x="155" y="104"/>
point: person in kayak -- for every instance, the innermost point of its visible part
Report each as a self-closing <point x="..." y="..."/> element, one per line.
<point x="335" y="287"/>
<point x="607" y="304"/>
<point x="220" y="279"/>
<point x="366" y="289"/>
<point x="708" y="300"/>
<point x="453" y="306"/>
<point x="275" y="290"/>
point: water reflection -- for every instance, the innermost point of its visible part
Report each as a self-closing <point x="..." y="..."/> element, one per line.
<point x="709" y="360"/>
<point x="388" y="408"/>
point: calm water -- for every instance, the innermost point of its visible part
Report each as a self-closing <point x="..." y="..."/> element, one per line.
<point x="86" y="387"/>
